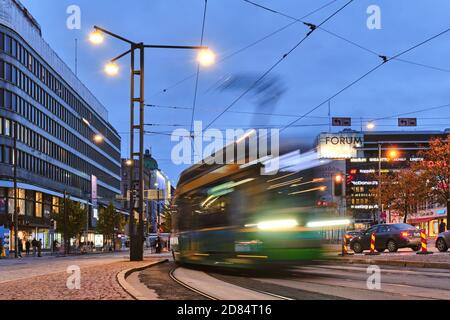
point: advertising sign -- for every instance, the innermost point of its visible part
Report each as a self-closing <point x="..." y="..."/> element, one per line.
<point x="339" y="145"/>
<point x="98" y="240"/>
<point x="94" y="190"/>
<point x="5" y="240"/>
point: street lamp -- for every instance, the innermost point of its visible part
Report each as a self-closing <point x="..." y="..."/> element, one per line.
<point x="206" y="57"/>
<point x="370" y="125"/>
<point x="96" y="37"/>
<point x="136" y="238"/>
<point x="111" y="69"/>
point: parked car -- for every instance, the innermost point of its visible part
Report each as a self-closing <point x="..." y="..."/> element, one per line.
<point x="351" y="234"/>
<point x="443" y="241"/>
<point x="387" y="236"/>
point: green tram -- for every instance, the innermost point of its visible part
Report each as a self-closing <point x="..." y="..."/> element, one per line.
<point x="233" y="216"/>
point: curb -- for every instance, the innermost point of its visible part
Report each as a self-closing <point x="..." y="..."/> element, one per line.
<point x="123" y="275"/>
<point x="400" y="263"/>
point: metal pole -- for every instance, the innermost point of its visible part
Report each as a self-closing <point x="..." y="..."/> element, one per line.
<point x="131" y="218"/>
<point x="379" y="177"/>
<point x="16" y="212"/>
<point x="158" y="217"/>
<point x="141" y="155"/>
<point x="66" y="240"/>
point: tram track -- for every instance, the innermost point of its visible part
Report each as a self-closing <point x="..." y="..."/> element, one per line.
<point x="224" y="290"/>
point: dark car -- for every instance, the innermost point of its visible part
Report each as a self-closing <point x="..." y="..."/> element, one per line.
<point x="349" y="235"/>
<point x="387" y="236"/>
<point x="443" y="241"/>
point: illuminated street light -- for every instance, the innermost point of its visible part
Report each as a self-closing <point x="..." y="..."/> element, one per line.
<point x="393" y="154"/>
<point x="128" y="162"/>
<point x="370" y="125"/>
<point x="206" y="57"/>
<point x="111" y="69"/>
<point x="96" y="37"/>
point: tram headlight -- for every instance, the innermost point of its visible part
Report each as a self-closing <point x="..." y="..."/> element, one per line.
<point x="328" y="223"/>
<point x="277" y="224"/>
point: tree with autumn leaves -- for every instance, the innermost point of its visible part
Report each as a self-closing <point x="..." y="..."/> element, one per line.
<point x="403" y="190"/>
<point x="435" y="171"/>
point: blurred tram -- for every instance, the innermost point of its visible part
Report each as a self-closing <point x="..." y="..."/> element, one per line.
<point x="233" y="216"/>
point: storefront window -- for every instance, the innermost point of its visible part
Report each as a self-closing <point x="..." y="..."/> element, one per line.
<point x="20" y="201"/>
<point x="2" y="201"/>
<point x="55" y="205"/>
<point x="29" y="206"/>
<point x="38" y="204"/>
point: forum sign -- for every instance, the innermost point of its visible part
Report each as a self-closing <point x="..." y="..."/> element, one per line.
<point x="339" y="145"/>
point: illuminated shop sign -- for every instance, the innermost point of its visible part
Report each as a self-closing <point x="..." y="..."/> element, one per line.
<point x="339" y="145"/>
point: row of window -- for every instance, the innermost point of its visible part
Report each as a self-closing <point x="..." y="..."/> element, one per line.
<point x="47" y="147"/>
<point x="15" y="103"/>
<point x="41" y="167"/>
<point x="29" y="203"/>
<point x="17" y="50"/>
<point x="12" y="74"/>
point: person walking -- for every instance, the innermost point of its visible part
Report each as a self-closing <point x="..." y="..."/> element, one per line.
<point x="442" y="226"/>
<point x="27" y="247"/>
<point x="34" y="245"/>
<point x="19" y="248"/>
<point x="39" y="248"/>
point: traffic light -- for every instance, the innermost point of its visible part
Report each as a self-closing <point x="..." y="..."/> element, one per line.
<point x="337" y="185"/>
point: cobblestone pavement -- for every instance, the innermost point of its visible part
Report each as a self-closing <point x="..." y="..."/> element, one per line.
<point x="97" y="282"/>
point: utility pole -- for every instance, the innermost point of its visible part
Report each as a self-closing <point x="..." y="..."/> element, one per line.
<point x="66" y="240"/>
<point x="379" y="177"/>
<point x="136" y="238"/>
<point x="16" y="212"/>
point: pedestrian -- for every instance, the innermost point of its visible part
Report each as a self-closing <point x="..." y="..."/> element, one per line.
<point x="55" y="245"/>
<point x="19" y="248"/>
<point x="442" y="226"/>
<point x="27" y="247"/>
<point x="34" y="245"/>
<point x="39" y="247"/>
<point x="158" y="245"/>
<point x="2" y="253"/>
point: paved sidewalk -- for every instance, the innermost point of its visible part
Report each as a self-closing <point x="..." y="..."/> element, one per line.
<point x="46" y="279"/>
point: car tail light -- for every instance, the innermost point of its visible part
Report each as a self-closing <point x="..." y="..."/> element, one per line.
<point x="404" y="234"/>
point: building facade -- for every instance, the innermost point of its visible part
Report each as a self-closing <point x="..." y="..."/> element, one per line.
<point x="362" y="171"/>
<point x="157" y="192"/>
<point x="50" y="118"/>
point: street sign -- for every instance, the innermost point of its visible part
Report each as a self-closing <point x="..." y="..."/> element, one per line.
<point x="341" y="122"/>
<point x="407" y="122"/>
<point x="152" y="194"/>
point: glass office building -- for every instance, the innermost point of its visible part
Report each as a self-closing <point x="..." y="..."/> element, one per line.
<point x="53" y="119"/>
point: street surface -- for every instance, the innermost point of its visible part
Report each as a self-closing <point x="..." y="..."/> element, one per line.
<point x="334" y="280"/>
<point x="46" y="278"/>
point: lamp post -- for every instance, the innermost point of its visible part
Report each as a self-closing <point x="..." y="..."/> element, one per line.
<point x="16" y="211"/>
<point x="391" y="154"/>
<point x="158" y="218"/>
<point x="136" y="240"/>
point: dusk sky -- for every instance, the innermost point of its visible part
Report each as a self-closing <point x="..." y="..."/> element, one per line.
<point x="316" y="70"/>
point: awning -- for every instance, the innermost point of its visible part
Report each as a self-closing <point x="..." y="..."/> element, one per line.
<point x="421" y="219"/>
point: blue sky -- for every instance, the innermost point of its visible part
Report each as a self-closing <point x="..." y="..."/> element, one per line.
<point x="316" y="70"/>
